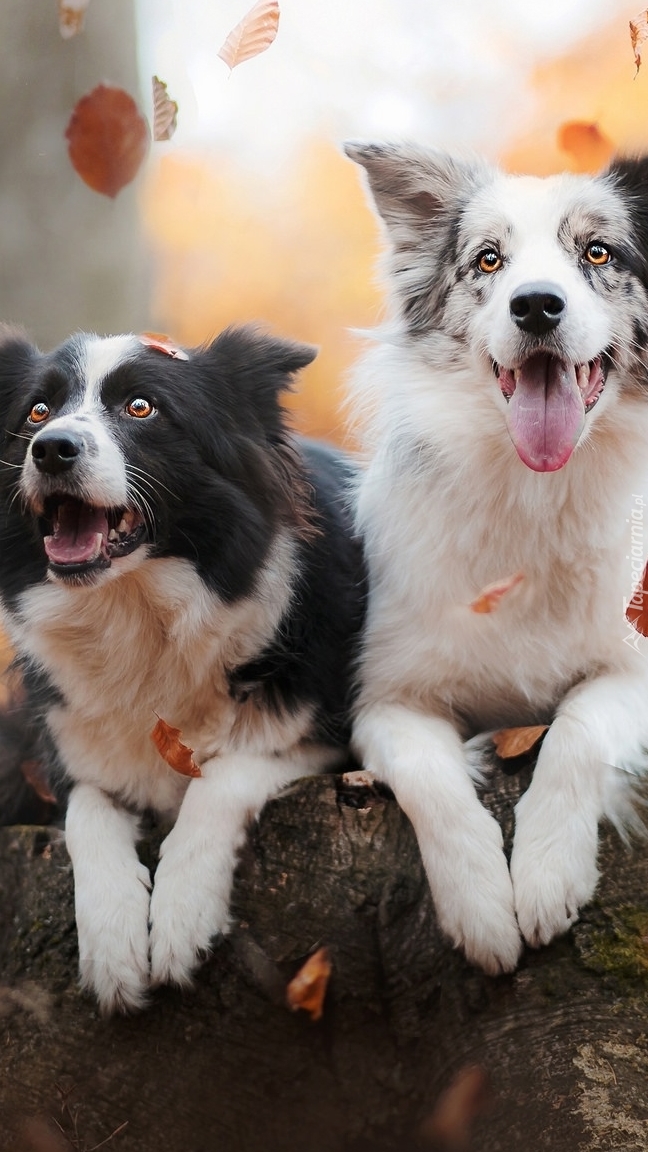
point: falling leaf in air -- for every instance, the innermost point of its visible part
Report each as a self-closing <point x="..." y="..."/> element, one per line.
<point x="172" y="750"/>
<point x="489" y="598"/>
<point x="71" y="17"/>
<point x="637" y="610"/>
<point x="252" y="35"/>
<point x="638" y="33"/>
<point x="308" y="988"/>
<point x="510" y="742"/>
<point x="589" y="149"/>
<point x="108" y="139"/>
<point x="165" y="112"/>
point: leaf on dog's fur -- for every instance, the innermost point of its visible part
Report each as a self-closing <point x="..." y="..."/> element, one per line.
<point x="489" y="598"/>
<point x="589" y="149"/>
<point x="308" y="988"/>
<point x="108" y="139"/>
<point x="165" y="112"/>
<point x="71" y="17"/>
<point x="176" y="754"/>
<point x="252" y="35"/>
<point x="637" y="610"/>
<point x="162" y="343"/>
<point x="511" y="742"/>
<point x="638" y="34"/>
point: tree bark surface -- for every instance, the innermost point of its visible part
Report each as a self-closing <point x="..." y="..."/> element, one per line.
<point x="227" y="1067"/>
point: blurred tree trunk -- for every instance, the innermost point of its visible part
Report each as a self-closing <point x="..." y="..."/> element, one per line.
<point x="70" y="259"/>
<point x="227" y="1067"/>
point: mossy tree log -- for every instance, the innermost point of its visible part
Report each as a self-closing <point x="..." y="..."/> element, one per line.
<point x="227" y="1067"/>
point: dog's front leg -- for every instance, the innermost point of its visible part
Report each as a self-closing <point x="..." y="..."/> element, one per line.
<point x="600" y="724"/>
<point x="421" y="758"/>
<point x="193" y="881"/>
<point x="111" y="896"/>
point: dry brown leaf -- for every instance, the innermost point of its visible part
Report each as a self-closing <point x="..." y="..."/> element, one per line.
<point x="108" y="139"/>
<point x="637" y="610"/>
<point x="308" y="988"/>
<point x="589" y="148"/>
<point x="511" y="742"/>
<point x="71" y="17"/>
<point x="489" y="598"/>
<point x="252" y="35"/>
<point x="165" y="112"/>
<point x="638" y="34"/>
<point x="464" y="1100"/>
<point x="176" y="754"/>
<point x="162" y="343"/>
<point x="35" y="775"/>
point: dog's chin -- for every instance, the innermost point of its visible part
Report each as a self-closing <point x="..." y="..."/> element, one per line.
<point x="548" y="401"/>
<point x="82" y="541"/>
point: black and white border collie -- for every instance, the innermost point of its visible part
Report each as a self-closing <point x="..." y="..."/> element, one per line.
<point x="167" y="549"/>
<point x="506" y="403"/>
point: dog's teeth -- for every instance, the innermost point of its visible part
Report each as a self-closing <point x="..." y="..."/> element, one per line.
<point x="122" y="527"/>
<point x="113" y="535"/>
<point x="97" y="548"/>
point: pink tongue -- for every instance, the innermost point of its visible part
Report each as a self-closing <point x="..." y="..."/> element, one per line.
<point x="546" y="413"/>
<point x="79" y="533"/>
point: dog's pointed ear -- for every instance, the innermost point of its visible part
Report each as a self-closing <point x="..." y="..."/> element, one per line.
<point x="415" y="189"/>
<point x="17" y="355"/>
<point x="252" y="361"/>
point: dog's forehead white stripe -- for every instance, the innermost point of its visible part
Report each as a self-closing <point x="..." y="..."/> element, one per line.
<point x="100" y="356"/>
<point x="528" y="206"/>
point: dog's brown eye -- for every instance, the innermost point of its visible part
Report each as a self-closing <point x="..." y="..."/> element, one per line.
<point x="489" y="261"/>
<point x="598" y="254"/>
<point x="39" y="413"/>
<point x="140" y="408"/>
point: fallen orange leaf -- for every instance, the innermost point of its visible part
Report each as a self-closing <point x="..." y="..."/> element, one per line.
<point x="108" y="139"/>
<point x="252" y="35"/>
<point x="165" y="112"/>
<point x="637" y="610"/>
<point x="511" y="742"/>
<point x="162" y="343"/>
<point x="588" y="147"/>
<point x="465" y="1099"/>
<point x="308" y="988"/>
<point x="35" y="775"/>
<point x="176" y="754"/>
<point x="638" y="33"/>
<point x="71" y="17"/>
<point x="490" y="596"/>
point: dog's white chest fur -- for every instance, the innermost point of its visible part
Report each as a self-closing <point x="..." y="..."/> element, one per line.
<point x="156" y="643"/>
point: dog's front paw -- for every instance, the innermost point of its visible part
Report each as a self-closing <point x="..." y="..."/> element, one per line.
<point x="473" y="897"/>
<point x="112" y="927"/>
<point x="553" y="868"/>
<point x="189" y="907"/>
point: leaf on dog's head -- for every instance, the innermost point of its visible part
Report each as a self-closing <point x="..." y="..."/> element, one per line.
<point x="165" y="112"/>
<point x="490" y="597"/>
<point x="510" y="742"/>
<point x="176" y="754"/>
<point x="637" y="610"/>
<point x="252" y="35"/>
<point x="638" y="34"/>
<point x="589" y="148"/>
<point x="71" y="17"/>
<point x="308" y="988"/>
<point x="108" y="139"/>
<point x="162" y="343"/>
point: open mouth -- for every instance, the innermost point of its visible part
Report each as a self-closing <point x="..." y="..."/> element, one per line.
<point x="80" y="538"/>
<point x="548" y="401"/>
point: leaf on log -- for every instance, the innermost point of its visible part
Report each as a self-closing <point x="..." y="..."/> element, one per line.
<point x="308" y="988"/>
<point x="510" y="742"/>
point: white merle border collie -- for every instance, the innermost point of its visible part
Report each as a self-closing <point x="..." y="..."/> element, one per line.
<point x="166" y="548"/>
<point x="507" y="406"/>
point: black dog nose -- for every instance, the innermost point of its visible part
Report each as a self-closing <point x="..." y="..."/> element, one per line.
<point x="538" y="307"/>
<point x="55" y="452"/>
